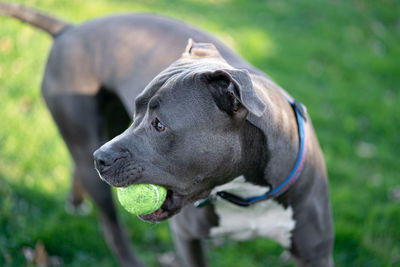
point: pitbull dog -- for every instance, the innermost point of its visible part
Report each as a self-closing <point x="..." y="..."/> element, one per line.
<point x="207" y="119"/>
<point x="206" y="129"/>
<point x="201" y="123"/>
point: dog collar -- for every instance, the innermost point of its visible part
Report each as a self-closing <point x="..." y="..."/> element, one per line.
<point x="299" y="110"/>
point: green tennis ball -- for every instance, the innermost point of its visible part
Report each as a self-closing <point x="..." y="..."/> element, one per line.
<point x="142" y="199"/>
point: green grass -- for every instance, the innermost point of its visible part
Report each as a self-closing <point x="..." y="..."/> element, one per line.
<point x="341" y="58"/>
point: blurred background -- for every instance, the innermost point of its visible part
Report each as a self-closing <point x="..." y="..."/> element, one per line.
<point x="340" y="58"/>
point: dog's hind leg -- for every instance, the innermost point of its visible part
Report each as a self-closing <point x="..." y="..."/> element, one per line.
<point x="75" y="202"/>
<point x="78" y="119"/>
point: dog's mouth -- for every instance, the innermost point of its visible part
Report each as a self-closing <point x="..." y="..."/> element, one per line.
<point x="172" y="205"/>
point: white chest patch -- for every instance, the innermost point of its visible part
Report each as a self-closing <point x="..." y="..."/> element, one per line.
<point x="263" y="219"/>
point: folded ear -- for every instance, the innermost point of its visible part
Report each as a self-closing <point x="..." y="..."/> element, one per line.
<point x="233" y="89"/>
<point x="200" y="50"/>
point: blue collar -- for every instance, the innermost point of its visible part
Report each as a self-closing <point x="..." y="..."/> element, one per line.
<point x="300" y="111"/>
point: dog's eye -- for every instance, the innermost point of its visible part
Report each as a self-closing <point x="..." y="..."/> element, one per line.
<point x="158" y="125"/>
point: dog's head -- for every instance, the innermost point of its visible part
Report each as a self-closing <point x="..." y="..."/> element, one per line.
<point x="187" y="130"/>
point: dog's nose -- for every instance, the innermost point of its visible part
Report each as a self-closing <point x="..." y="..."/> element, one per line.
<point x="103" y="159"/>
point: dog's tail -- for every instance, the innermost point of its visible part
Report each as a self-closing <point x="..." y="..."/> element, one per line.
<point x="29" y="15"/>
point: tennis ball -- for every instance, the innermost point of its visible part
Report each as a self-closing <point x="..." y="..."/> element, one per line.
<point x="142" y="199"/>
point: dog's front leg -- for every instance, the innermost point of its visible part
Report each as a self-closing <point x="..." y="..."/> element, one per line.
<point x="189" y="228"/>
<point x="191" y="252"/>
<point x="312" y="240"/>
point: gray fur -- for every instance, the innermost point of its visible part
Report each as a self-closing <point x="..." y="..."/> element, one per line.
<point x="220" y="122"/>
<point x="96" y="70"/>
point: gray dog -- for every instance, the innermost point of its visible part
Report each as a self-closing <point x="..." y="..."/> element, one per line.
<point x="211" y="128"/>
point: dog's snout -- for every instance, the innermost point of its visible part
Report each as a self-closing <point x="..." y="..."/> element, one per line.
<point x="104" y="159"/>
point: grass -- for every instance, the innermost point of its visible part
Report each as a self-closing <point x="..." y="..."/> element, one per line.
<point x="340" y="58"/>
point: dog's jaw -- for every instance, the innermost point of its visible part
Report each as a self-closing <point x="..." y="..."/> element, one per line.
<point x="171" y="206"/>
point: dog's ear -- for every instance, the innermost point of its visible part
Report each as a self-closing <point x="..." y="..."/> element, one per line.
<point x="200" y="50"/>
<point x="233" y="92"/>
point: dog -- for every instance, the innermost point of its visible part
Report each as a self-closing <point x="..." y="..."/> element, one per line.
<point x="231" y="141"/>
<point x="213" y="129"/>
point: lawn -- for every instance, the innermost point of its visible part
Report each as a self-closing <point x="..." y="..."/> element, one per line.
<point x="340" y="58"/>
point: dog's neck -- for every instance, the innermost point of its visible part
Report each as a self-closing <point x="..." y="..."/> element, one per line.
<point x="271" y="162"/>
<point x="254" y="152"/>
